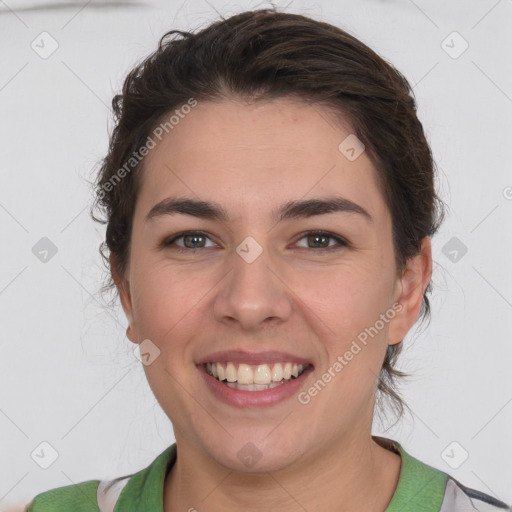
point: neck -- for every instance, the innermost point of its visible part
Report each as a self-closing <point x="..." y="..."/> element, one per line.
<point x="335" y="478"/>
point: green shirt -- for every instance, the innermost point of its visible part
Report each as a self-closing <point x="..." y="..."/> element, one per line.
<point x="421" y="488"/>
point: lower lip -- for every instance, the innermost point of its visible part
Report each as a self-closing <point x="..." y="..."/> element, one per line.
<point x="242" y="399"/>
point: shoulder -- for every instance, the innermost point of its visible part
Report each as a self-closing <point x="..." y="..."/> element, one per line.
<point x="78" y="498"/>
<point x="90" y="496"/>
<point x="424" y="488"/>
<point x="139" y="491"/>
<point x="459" y="498"/>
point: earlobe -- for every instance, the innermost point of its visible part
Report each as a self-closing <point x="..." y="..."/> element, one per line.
<point x="409" y="292"/>
<point x="123" y="288"/>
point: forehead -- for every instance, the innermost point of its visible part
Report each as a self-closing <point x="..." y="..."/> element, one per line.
<point x="257" y="154"/>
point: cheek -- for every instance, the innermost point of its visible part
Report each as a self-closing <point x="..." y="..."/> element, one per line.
<point x="353" y="296"/>
<point x="355" y="346"/>
<point x="161" y="300"/>
<point x="351" y="303"/>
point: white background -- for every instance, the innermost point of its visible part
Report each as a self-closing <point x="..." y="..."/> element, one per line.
<point x="68" y="375"/>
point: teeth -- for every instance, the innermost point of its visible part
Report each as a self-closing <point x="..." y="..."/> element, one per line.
<point x="262" y="374"/>
<point x="231" y="372"/>
<point x="221" y="374"/>
<point x="277" y="373"/>
<point x="254" y="377"/>
<point x="253" y="387"/>
<point x="245" y="375"/>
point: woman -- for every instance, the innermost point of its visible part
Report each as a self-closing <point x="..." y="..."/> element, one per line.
<point x="269" y="203"/>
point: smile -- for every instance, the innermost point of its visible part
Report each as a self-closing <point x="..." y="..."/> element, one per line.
<point x="259" y="377"/>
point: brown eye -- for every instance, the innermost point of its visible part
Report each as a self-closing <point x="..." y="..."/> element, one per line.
<point x="321" y="240"/>
<point x="191" y="240"/>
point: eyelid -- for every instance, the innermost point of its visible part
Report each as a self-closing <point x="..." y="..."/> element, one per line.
<point x="341" y="241"/>
<point x="169" y="241"/>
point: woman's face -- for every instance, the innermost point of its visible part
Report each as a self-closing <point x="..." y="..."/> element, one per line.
<point x="257" y="290"/>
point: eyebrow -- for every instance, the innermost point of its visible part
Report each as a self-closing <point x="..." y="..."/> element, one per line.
<point x="298" y="209"/>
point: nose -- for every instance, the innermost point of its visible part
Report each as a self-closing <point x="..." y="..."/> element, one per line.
<point x="254" y="294"/>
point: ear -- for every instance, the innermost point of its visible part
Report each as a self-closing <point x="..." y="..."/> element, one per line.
<point x="409" y="291"/>
<point x="123" y="287"/>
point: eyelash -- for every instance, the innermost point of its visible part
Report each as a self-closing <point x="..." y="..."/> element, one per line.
<point x="167" y="243"/>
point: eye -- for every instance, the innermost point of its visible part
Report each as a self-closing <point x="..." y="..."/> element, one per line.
<point x="193" y="240"/>
<point x="320" y="238"/>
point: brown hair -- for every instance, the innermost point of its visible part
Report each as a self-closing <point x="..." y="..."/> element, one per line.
<point x="266" y="54"/>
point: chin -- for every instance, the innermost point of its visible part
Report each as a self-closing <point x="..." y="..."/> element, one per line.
<point x="256" y="454"/>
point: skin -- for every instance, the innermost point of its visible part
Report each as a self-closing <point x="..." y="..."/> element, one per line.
<point x="295" y="297"/>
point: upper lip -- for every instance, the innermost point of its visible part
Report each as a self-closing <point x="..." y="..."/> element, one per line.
<point x="240" y="356"/>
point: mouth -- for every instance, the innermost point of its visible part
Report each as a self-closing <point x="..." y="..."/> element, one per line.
<point x="241" y="378"/>
<point x="252" y="377"/>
